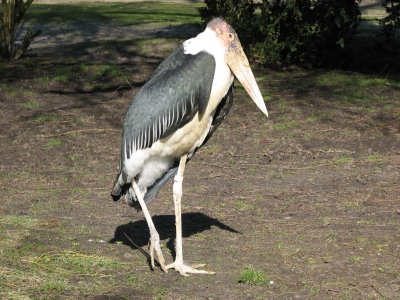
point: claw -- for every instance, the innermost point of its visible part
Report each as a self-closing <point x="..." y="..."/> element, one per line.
<point x="184" y="269"/>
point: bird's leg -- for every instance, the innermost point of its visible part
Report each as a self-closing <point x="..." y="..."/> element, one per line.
<point x="154" y="236"/>
<point x="177" y="190"/>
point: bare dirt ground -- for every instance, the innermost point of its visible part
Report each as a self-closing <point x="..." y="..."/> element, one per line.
<point x="309" y="196"/>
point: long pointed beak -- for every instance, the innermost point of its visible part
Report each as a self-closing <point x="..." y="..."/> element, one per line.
<point x="239" y="64"/>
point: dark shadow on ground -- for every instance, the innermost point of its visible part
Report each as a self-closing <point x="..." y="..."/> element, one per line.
<point x="136" y="234"/>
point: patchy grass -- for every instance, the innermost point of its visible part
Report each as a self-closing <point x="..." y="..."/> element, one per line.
<point x="135" y="13"/>
<point x="251" y="276"/>
<point x="17" y="221"/>
<point x="30" y="105"/>
<point x="53" y="143"/>
<point x="343" y="160"/>
<point x="47" y="118"/>
<point x="46" y="272"/>
<point x="113" y="71"/>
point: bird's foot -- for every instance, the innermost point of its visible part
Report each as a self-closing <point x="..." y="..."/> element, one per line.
<point x="154" y="245"/>
<point x="184" y="269"/>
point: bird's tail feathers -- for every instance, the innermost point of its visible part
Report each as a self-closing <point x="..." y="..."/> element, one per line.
<point x="120" y="187"/>
<point x="123" y="186"/>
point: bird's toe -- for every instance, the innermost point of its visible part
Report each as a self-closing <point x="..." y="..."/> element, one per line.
<point x="185" y="270"/>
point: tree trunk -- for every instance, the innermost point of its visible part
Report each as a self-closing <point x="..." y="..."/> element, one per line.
<point x="29" y="37"/>
<point x="13" y="13"/>
<point x="7" y="29"/>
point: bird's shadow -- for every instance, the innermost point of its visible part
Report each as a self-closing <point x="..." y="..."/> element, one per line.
<point x="136" y="234"/>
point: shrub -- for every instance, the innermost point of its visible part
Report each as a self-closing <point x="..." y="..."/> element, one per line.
<point x="391" y="23"/>
<point x="238" y="13"/>
<point x="290" y="31"/>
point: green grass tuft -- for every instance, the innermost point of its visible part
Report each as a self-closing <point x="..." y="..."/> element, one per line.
<point x="251" y="276"/>
<point x="239" y="204"/>
<point x="110" y="70"/>
<point x="343" y="160"/>
<point x="375" y="157"/>
<point x="46" y="118"/>
<point x="31" y="105"/>
<point x="53" y="143"/>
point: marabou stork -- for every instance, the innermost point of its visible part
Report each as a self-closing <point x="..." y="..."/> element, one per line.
<point x="173" y="115"/>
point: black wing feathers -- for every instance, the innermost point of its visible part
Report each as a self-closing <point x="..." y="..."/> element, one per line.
<point x="178" y="89"/>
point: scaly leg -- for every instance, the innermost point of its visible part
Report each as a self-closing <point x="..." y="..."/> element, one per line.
<point x="154" y="236"/>
<point x="178" y="263"/>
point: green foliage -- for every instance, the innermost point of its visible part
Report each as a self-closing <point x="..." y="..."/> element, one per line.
<point x="391" y="23"/>
<point x="306" y="32"/>
<point x="302" y="32"/>
<point x="238" y="13"/>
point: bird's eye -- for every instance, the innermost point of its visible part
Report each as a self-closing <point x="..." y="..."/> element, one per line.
<point x="230" y="35"/>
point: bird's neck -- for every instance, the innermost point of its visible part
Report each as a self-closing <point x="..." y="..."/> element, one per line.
<point x="223" y="78"/>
